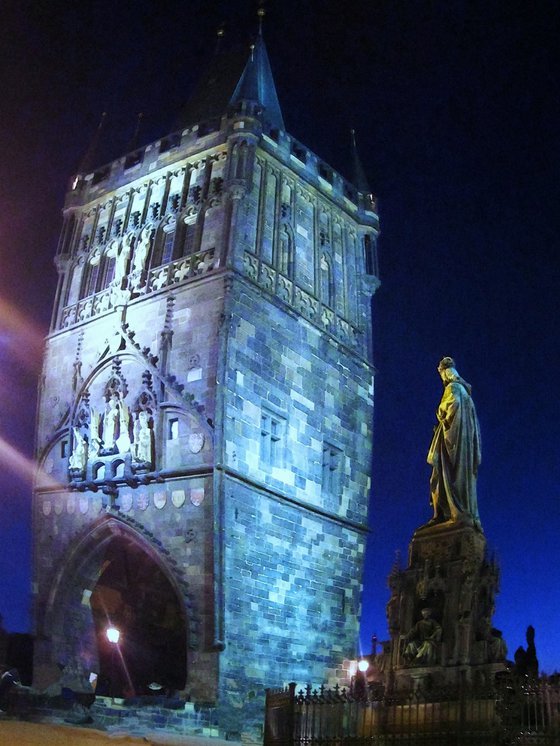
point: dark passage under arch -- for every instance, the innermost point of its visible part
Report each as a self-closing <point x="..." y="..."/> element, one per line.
<point x="133" y="595"/>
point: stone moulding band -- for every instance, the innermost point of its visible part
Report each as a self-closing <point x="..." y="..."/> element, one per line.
<point x="178" y="271"/>
<point x="274" y="494"/>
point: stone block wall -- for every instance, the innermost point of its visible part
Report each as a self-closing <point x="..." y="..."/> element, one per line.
<point x="293" y="544"/>
<point x="292" y="599"/>
<point x="320" y="395"/>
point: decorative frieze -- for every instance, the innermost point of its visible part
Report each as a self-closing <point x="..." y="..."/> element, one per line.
<point x="301" y="301"/>
<point x="175" y="272"/>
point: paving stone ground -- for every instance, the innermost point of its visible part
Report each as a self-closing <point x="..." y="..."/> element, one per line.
<point x="21" y="733"/>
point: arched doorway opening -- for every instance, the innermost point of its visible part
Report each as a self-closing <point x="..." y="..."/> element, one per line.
<point x="134" y="596"/>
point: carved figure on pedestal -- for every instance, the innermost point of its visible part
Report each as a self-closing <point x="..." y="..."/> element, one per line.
<point x="123" y="441"/>
<point x="143" y="439"/>
<point x="110" y="423"/>
<point x="421" y="642"/>
<point x="497" y="648"/>
<point x="141" y="251"/>
<point x="120" y="250"/>
<point x="94" y="432"/>
<point x="78" y="458"/>
<point x="455" y="451"/>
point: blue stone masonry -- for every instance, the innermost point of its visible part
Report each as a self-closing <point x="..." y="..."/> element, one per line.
<point x="204" y="428"/>
<point x="293" y="581"/>
<point x="321" y="395"/>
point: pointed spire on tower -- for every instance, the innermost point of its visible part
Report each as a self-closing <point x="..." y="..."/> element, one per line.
<point x="359" y="178"/>
<point x="88" y="161"/>
<point x="133" y="143"/>
<point x="256" y="84"/>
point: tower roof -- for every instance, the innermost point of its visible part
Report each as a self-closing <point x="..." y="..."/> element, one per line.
<point x="257" y="84"/>
<point x="229" y="79"/>
<point x="211" y="96"/>
<point x="359" y="178"/>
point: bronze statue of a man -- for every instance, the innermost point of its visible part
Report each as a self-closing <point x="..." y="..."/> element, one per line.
<point x="455" y="451"/>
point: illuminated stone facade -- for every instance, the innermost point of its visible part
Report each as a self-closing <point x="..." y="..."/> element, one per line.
<point x="207" y="400"/>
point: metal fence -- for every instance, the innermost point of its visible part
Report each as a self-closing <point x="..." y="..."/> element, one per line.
<point x="514" y="712"/>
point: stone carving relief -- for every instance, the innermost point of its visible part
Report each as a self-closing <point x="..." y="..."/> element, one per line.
<point x="113" y="426"/>
<point x="141" y="251"/>
<point x="196" y="442"/>
<point x="421" y="642"/>
<point x="77" y="461"/>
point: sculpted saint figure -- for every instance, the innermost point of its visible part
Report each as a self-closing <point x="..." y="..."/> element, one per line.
<point x="94" y="439"/>
<point x="78" y="458"/>
<point x="143" y="439"/>
<point x="455" y="451"/>
<point x="141" y="249"/>
<point x="120" y="250"/>
<point x="110" y="422"/>
<point x="421" y="641"/>
<point x="123" y="441"/>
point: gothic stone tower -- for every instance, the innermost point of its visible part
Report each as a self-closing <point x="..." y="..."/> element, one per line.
<point x="204" y="425"/>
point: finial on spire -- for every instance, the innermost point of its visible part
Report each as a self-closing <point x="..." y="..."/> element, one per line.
<point x="261" y="12"/>
<point x="256" y="84"/>
<point x="220" y="33"/>
<point x="359" y="178"/>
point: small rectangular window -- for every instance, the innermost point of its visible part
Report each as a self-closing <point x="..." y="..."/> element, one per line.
<point x="173" y="429"/>
<point x="299" y="152"/>
<point x="331" y="465"/>
<point x="133" y="159"/>
<point x="205" y="128"/>
<point x="64" y="449"/>
<point x="170" y="142"/>
<point x="272" y="433"/>
<point x="100" y="175"/>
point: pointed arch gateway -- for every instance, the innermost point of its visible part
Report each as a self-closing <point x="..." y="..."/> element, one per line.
<point x="114" y="576"/>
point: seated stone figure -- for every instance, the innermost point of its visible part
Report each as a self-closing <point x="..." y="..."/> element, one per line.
<point x="421" y="642"/>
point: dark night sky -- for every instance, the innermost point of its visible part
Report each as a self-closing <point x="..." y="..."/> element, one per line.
<point x="456" y="109"/>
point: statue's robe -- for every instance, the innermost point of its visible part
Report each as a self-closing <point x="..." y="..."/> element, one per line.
<point x="455" y="456"/>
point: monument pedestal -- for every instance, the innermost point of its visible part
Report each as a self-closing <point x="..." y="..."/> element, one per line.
<point x="449" y="573"/>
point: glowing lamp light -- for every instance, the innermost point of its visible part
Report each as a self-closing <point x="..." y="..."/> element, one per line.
<point x="352" y="668"/>
<point x="113" y="635"/>
<point x="363" y="665"/>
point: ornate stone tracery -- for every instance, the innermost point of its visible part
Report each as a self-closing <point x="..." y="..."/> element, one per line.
<point x="114" y="420"/>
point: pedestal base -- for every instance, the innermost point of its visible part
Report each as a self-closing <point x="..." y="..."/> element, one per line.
<point x="450" y="574"/>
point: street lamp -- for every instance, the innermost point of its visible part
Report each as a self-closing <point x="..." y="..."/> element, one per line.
<point x="113" y="635"/>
